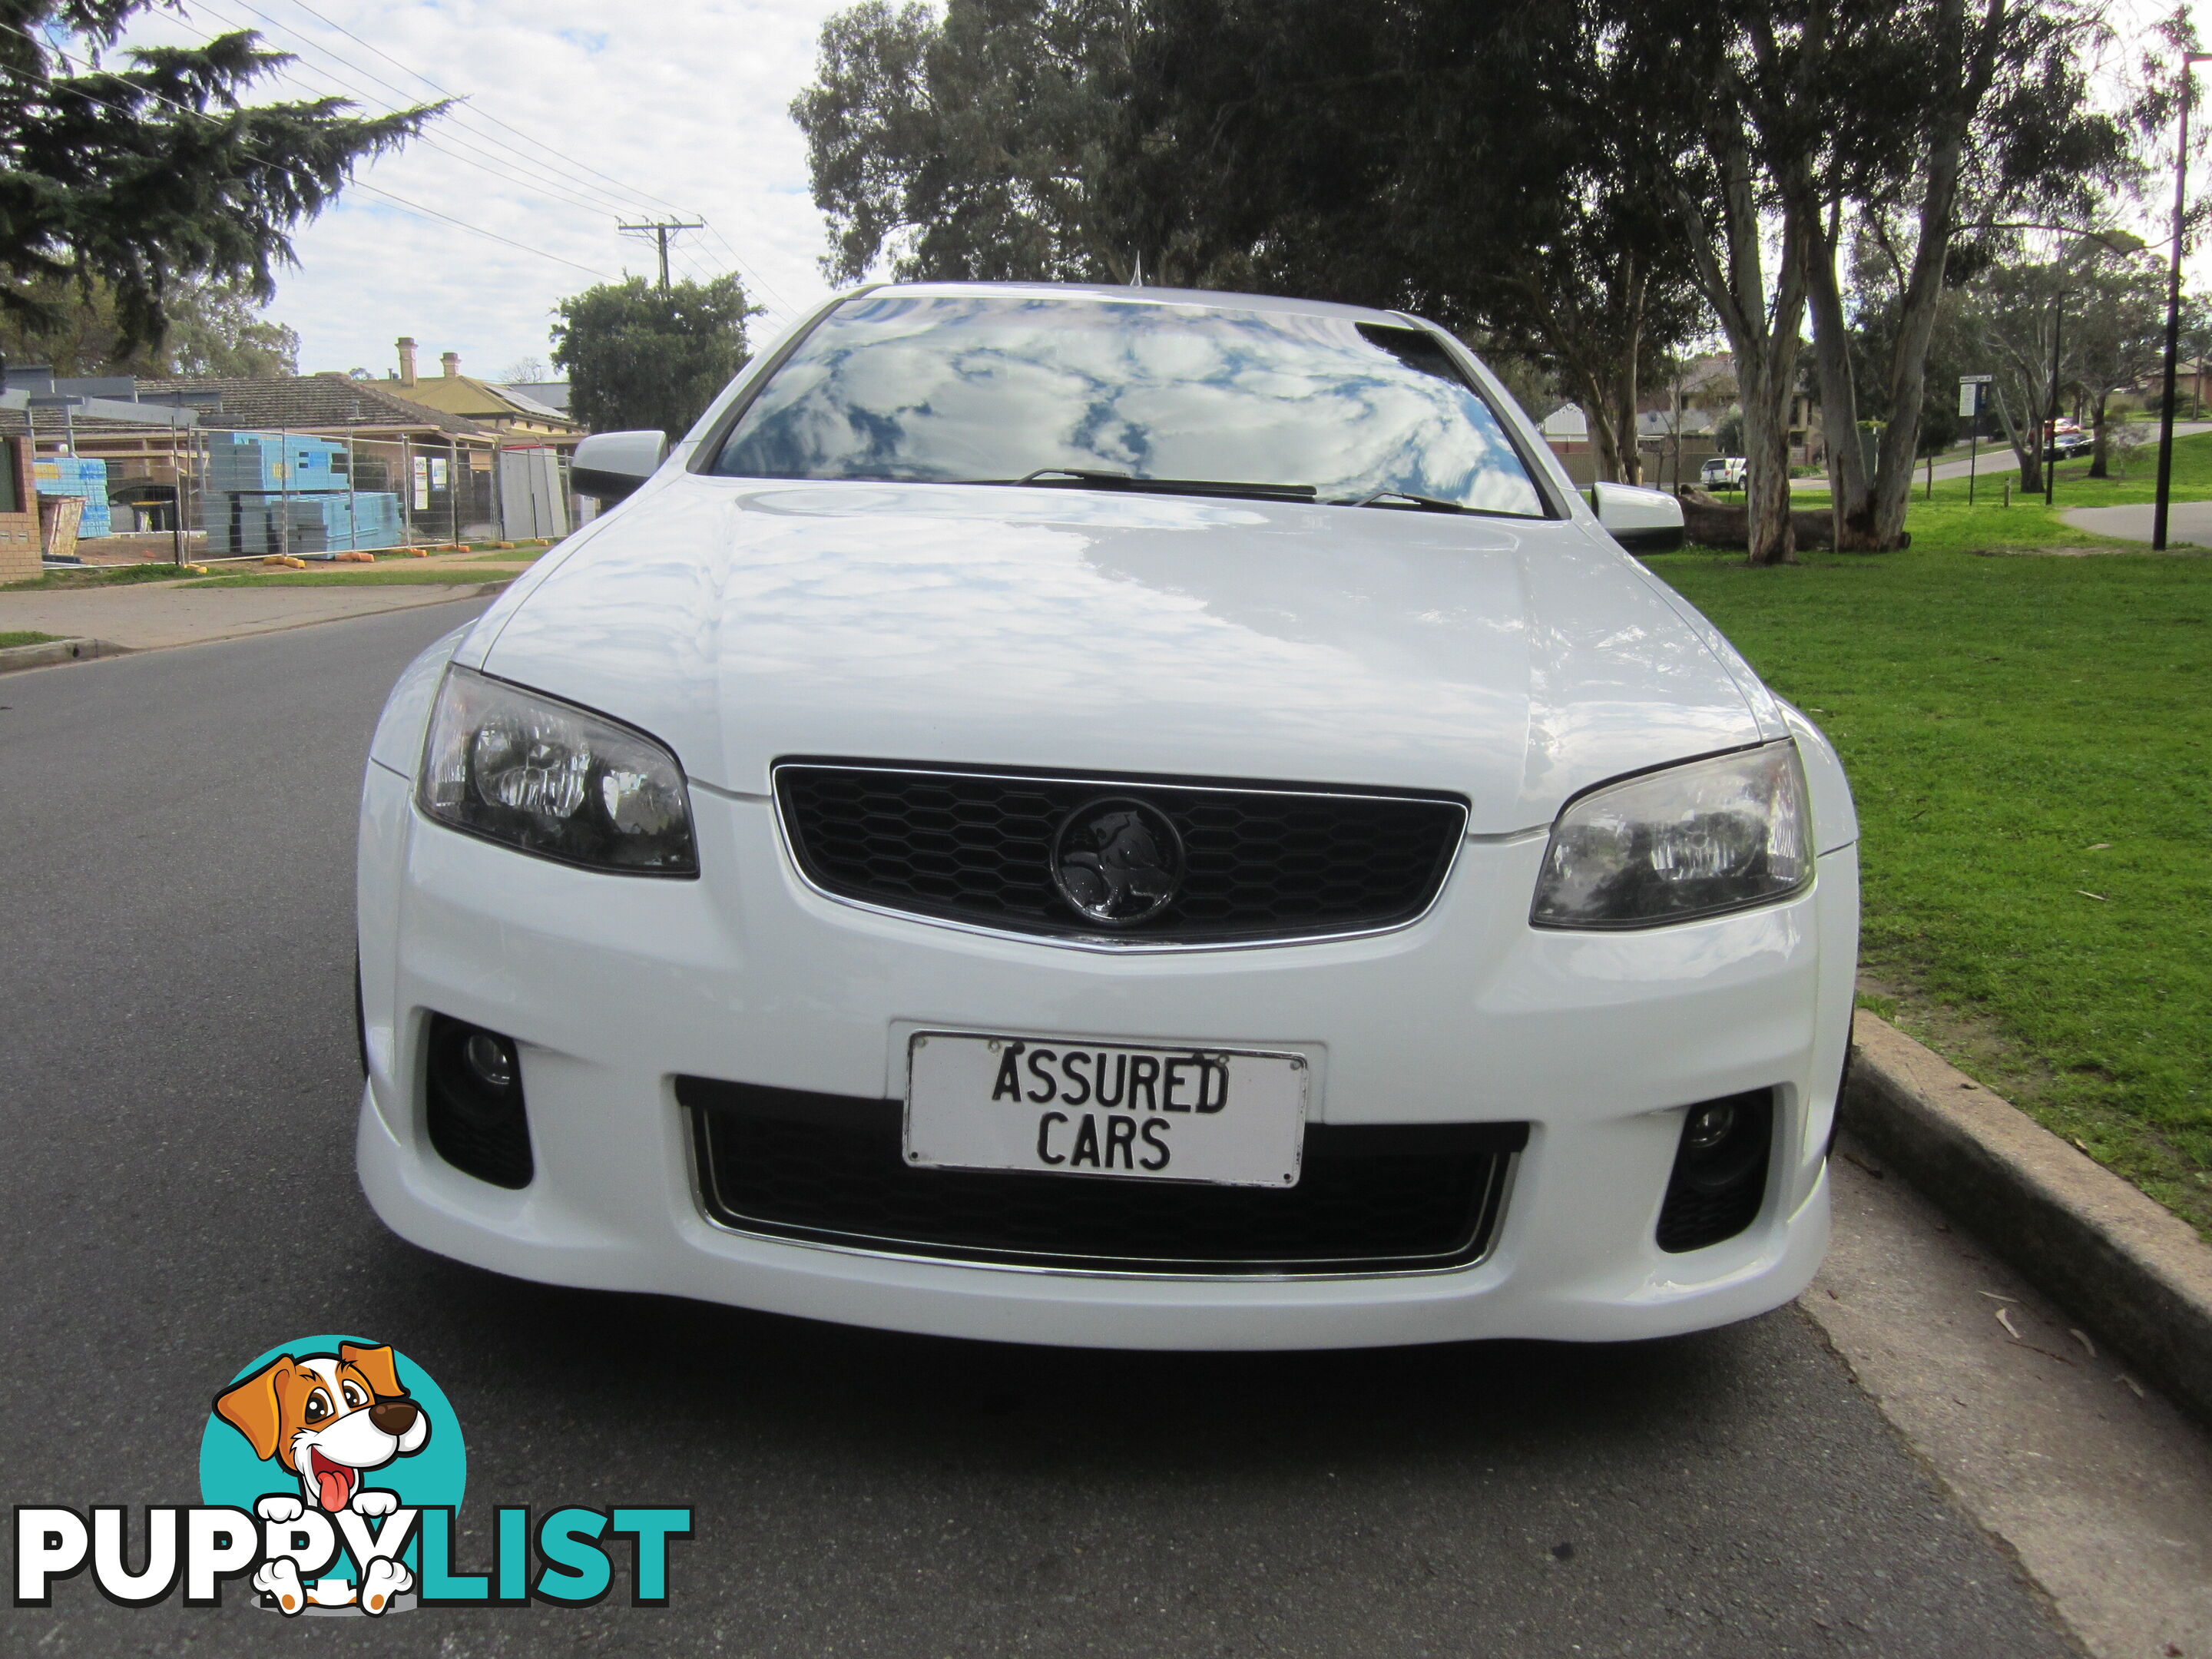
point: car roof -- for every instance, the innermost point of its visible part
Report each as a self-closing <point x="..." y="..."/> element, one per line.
<point x="1185" y="298"/>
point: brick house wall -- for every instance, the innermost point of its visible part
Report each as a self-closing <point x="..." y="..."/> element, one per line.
<point x="19" y="528"/>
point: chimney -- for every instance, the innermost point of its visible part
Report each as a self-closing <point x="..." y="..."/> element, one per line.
<point x="406" y="361"/>
<point x="452" y="362"/>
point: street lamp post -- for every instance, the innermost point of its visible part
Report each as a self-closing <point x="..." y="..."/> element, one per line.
<point x="2173" y="312"/>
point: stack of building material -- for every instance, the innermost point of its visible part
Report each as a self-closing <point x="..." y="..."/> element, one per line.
<point x="262" y="463"/>
<point x="69" y="474"/>
<point x="268" y="492"/>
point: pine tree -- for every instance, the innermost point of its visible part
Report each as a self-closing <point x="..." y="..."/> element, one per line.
<point x="140" y="168"/>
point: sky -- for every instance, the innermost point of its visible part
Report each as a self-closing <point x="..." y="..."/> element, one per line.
<point x="575" y="117"/>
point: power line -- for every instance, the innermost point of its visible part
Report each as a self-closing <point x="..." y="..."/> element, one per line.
<point x="486" y="114"/>
<point x="355" y="184"/>
<point x="416" y="207"/>
<point x="548" y="183"/>
<point x="758" y="282"/>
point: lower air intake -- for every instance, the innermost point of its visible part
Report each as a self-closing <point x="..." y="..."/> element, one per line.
<point x="828" y="1168"/>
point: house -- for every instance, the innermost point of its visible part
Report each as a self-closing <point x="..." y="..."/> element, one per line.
<point x="553" y="394"/>
<point x="510" y="412"/>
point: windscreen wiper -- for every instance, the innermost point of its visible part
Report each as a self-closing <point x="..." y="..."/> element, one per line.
<point x="1407" y="501"/>
<point x="1071" y="477"/>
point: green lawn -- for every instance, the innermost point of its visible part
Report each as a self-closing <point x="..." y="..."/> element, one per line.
<point x="2029" y="741"/>
<point x="25" y="636"/>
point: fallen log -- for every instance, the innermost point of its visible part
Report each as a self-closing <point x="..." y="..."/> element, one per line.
<point x="1709" y="522"/>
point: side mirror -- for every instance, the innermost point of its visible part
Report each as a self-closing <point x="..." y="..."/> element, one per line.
<point x="1641" y="520"/>
<point x="611" y="465"/>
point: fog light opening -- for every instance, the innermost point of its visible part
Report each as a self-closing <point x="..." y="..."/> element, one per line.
<point x="474" y="1109"/>
<point x="1719" y="1178"/>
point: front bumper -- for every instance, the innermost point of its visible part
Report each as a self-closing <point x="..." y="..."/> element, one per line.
<point x="614" y="987"/>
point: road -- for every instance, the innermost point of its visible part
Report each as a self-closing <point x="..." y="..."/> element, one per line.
<point x="1996" y="462"/>
<point x="179" y="1196"/>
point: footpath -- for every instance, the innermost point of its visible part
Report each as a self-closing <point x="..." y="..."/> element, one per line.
<point x="105" y="619"/>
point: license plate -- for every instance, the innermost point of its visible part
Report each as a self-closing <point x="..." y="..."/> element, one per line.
<point x="1229" y="1117"/>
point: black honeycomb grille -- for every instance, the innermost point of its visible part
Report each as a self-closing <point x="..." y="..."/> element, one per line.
<point x="1259" y="862"/>
<point x="827" y="1168"/>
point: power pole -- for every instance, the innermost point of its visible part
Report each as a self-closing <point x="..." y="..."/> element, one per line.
<point x="661" y="230"/>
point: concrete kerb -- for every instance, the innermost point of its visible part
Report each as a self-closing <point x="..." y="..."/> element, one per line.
<point x="46" y="653"/>
<point x="2132" y="1271"/>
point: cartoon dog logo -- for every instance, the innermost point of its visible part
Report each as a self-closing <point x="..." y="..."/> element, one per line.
<point x="328" y="1419"/>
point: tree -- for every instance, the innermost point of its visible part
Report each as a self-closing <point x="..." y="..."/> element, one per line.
<point x="1769" y="123"/>
<point x="1937" y="123"/>
<point x="156" y="174"/>
<point x="1297" y="146"/>
<point x="1434" y="157"/>
<point x="970" y="148"/>
<point x="2119" y="330"/>
<point x="214" y="329"/>
<point x="641" y="356"/>
<point x="2112" y="334"/>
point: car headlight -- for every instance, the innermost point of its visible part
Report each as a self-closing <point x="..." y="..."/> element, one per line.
<point x="549" y="778"/>
<point x="1695" y="839"/>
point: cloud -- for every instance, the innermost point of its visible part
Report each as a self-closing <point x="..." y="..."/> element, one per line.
<point x="569" y="127"/>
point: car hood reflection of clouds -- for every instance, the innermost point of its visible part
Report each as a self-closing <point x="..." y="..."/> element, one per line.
<point x="1514" y="663"/>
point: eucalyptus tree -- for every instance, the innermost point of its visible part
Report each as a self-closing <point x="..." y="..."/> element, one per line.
<point x="1413" y="153"/>
<point x="131" y="171"/>
<point x="2103" y="312"/>
<point x="1954" y="123"/>
<point x="978" y="144"/>
<point x="1433" y="156"/>
<point x="1790" y="117"/>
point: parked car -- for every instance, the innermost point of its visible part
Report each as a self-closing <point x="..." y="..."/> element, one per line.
<point x="1112" y="817"/>
<point x="2065" y="445"/>
<point x="1722" y="472"/>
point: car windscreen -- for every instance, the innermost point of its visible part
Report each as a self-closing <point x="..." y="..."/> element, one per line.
<point x="966" y="390"/>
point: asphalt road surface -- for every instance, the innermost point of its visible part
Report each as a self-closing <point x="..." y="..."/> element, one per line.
<point x="177" y="1195"/>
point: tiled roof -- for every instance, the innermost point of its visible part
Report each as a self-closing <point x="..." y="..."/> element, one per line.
<point x="313" y="403"/>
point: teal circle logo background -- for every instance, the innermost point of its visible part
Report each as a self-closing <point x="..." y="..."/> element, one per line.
<point x="230" y="1472"/>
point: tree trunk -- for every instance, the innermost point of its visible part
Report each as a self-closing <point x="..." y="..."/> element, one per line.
<point x="2100" y="456"/>
<point x="1624" y="386"/>
<point x="2025" y="447"/>
<point x="1764" y="340"/>
<point x="1970" y="65"/>
<point x="1631" y="453"/>
<point x="1858" y="527"/>
<point x="1767" y="392"/>
<point x="1600" y="416"/>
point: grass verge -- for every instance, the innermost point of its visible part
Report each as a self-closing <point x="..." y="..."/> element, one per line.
<point x="93" y="575"/>
<point x="2029" y="743"/>
<point x="26" y="637"/>
<point x="397" y="575"/>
